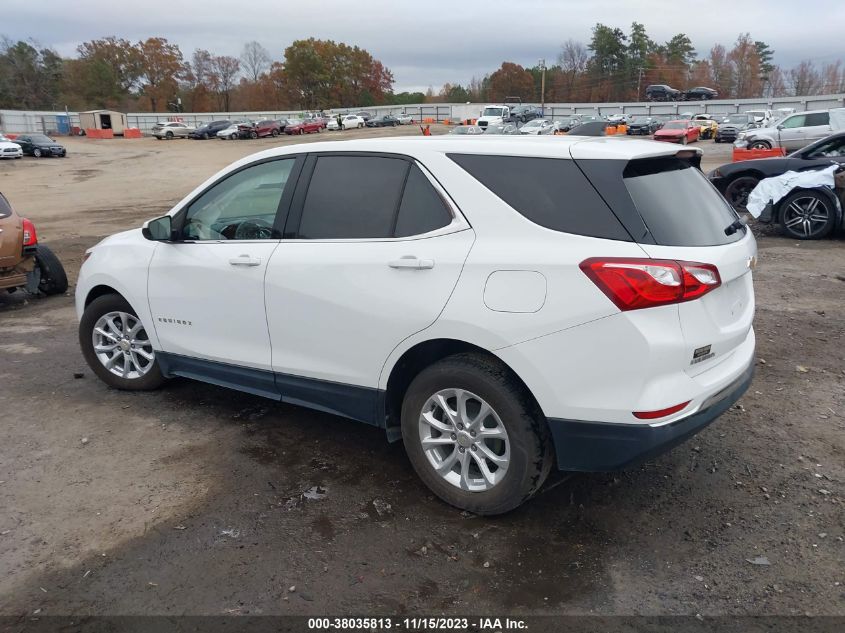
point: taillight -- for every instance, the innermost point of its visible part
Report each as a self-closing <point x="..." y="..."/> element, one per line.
<point x="661" y="413"/>
<point x="633" y="283"/>
<point x="30" y="238"/>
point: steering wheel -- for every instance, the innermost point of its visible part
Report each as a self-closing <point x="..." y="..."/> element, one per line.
<point x="254" y="229"/>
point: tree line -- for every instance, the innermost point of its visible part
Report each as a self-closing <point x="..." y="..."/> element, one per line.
<point x="154" y="75"/>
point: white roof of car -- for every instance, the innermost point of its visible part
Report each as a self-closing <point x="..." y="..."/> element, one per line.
<point x="582" y="147"/>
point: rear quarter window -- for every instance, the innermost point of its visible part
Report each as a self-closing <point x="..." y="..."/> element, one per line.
<point x="5" y="207"/>
<point x="551" y="192"/>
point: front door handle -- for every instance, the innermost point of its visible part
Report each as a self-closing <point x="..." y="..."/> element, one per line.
<point x="411" y="261"/>
<point x="245" y="260"/>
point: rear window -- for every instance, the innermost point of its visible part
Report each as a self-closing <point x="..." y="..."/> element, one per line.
<point x="5" y="209"/>
<point x="551" y="192"/>
<point x="677" y="203"/>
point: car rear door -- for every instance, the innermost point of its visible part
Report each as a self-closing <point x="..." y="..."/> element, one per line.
<point x="374" y="253"/>
<point x="816" y="127"/>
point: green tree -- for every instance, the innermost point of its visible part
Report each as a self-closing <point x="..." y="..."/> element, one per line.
<point x="30" y="78"/>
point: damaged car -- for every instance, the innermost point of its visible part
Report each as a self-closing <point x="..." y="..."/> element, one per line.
<point x="24" y="263"/>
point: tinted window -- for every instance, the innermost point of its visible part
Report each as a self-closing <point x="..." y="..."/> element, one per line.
<point x="551" y="192"/>
<point x="422" y="210"/>
<point x="818" y="118"/>
<point x="5" y="209"/>
<point x="241" y="207"/>
<point x="678" y="205"/>
<point x="352" y="197"/>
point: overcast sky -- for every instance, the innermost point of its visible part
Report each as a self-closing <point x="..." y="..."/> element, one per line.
<point x="430" y="42"/>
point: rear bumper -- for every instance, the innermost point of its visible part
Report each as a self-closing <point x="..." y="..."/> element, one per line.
<point x="598" y="446"/>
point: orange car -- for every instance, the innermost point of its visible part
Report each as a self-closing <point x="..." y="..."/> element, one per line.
<point x="24" y="263"/>
<point x="682" y="132"/>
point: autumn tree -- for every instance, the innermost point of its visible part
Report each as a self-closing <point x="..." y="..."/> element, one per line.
<point x="745" y="63"/>
<point x="225" y="71"/>
<point x="805" y="79"/>
<point x="116" y="58"/>
<point x="161" y="68"/>
<point x="511" y="80"/>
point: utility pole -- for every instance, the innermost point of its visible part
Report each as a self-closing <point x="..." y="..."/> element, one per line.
<point x="543" y="87"/>
<point x="639" y="82"/>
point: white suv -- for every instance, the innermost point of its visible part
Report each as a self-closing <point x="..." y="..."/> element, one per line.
<point x="502" y="304"/>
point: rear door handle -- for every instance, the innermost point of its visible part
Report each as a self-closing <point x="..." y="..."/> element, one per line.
<point x="411" y="261"/>
<point x="245" y="260"/>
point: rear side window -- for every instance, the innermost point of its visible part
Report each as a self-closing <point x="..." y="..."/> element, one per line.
<point x="551" y="192"/>
<point x="352" y="197"/>
<point x="677" y="203"/>
<point x="818" y="118"/>
<point x="5" y="208"/>
<point x="422" y="209"/>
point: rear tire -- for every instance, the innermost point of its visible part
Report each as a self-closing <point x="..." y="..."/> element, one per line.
<point x="53" y="276"/>
<point x="807" y="215"/>
<point x="99" y="308"/>
<point x="521" y="450"/>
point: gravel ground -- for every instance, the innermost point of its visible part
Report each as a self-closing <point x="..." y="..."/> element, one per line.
<point x="200" y="500"/>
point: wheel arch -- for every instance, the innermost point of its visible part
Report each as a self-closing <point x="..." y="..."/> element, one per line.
<point x="98" y="291"/>
<point x="414" y="360"/>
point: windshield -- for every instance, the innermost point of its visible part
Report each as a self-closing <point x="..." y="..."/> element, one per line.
<point x="675" y="125"/>
<point x="641" y="119"/>
<point x="493" y="112"/>
<point x="736" y="118"/>
<point x="40" y="138"/>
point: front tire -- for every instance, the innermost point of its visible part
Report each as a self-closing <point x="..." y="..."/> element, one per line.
<point x="169" y="136"/>
<point x="36" y="152"/>
<point x="760" y="145"/>
<point x="474" y="436"/>
<point x="53" y="276"/>
<point x="807" y="215"/>
<point x="116" y="346"/>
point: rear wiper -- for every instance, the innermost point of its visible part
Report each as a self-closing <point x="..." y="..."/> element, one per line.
<point x="734" y="226"/>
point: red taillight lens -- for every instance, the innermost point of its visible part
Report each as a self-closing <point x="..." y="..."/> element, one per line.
<point x="30" y="238"/>
<point x="634" y="283"/>
<point x="662" y="413"/>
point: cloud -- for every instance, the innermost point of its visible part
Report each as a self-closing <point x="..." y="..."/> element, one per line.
<point x="427" y="44"/>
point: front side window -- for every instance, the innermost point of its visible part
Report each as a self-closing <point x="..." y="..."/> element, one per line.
<point x="833" y="148"/>
<point x="241" y="207"/>
<point x="794" y="121"/>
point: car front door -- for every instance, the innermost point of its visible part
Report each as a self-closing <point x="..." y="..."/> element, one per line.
<point x="792" y="132"/>
<point x="206" y="288"/>
<point x="376" y="251"/>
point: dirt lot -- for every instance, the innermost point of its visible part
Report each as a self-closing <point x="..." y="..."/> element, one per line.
<point x="191" y="500"/>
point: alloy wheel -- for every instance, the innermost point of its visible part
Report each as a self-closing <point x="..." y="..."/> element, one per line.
<point x="464" y="440"/>
<point x="121" y="344"/>
<point x="806" y="216"/>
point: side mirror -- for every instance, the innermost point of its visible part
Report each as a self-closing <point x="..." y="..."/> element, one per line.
<point x="158" y="230"/>
<point x="780" y="127"/>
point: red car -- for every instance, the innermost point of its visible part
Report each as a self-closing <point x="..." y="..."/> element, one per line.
<point x="303" y="127"/>
<point x="267" y="127"/>
<point x="682" y="132"/>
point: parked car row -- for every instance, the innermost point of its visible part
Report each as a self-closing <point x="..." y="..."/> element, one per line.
<point x="662" y="92"/>
<point x="37" y="145"/>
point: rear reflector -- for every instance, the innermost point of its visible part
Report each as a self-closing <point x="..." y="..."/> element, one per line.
<point x="634" y="283"/>
<point x="662" y="413"/>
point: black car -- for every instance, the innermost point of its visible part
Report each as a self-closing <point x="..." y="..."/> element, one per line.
<point x="731" y="125"/>
<point x="387" y="120"/>
<point x="736" y="180"/>
<point x="39" y="145"/>
<point x="590" y="128"/>
<point x="662" y="92"/>
<point x="643" y="126"/>
<point x="700" y="93"/>
<point x="209" y="130"/>
<point x="364" y="115"/>
<point x="525" y="113"/>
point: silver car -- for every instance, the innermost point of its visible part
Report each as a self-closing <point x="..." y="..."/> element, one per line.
<point x="792" y="132"/>
<point x="171" y="129"/>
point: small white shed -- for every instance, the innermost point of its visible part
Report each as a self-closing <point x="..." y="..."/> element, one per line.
<point x="103" y="120"/>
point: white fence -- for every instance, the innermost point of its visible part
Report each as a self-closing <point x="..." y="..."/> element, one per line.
<point x="20" y="121"/>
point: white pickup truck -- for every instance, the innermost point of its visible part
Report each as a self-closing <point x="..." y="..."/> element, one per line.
<point x="494" y="115"/>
